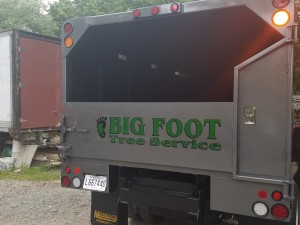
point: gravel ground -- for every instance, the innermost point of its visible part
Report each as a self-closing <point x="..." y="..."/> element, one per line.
<point x="46" y="203"/>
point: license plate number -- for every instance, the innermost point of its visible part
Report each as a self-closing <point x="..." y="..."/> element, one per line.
<point x="95" y="183"/>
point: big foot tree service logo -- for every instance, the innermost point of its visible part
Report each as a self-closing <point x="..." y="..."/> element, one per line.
<point x="101" y="125"/>
<point x="188" y="134"/>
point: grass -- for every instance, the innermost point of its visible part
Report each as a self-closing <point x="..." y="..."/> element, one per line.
<point x="40" y="173"/>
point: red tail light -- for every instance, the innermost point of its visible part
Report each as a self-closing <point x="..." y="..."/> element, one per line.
<point x="68" y="27"/>
<point x="66" y="181"/>
<point x="77" y="170"/>
<point x="280" y="3"/>
<point x="280" y="212"/>
<point x="136" y="13"/>
<point x="174" y="7"/>
<point x="277" y="196"/>
<point x="67" y="170"/>
<point x="262" y="194"/>
<point x="155" y="10"/>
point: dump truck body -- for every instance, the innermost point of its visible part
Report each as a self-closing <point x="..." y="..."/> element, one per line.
<point x="181" y="108"/>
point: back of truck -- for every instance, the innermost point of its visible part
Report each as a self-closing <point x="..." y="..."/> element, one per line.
<point x="182" y="110"/>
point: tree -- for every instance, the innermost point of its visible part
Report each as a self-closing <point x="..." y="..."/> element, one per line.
<point x="27" y="15"/>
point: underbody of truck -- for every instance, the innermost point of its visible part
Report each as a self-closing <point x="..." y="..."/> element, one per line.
<point x="182" y="110"/>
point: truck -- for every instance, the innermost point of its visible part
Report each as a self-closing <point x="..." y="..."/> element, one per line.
<point x="183" y="110"/>
<point x="30" y="95"/>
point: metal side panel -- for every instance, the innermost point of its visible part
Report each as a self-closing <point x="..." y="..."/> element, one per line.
<point x="5" y="82"/>
<point x="185" y="135"/>
<point x="263" y="114"/>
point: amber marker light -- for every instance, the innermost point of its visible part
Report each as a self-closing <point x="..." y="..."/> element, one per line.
<point x="280" y="18"/>
<point x="68" y="41"/>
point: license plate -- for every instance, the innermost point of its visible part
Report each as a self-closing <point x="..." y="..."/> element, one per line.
<point x="95" y="183"/>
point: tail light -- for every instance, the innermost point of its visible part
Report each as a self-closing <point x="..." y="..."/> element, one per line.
<point x="260" y="209"/>
<point x="155" y="10"/>
<point x="280" y="212"/>
<point x="136" y="13"/>
<point x="280" y="3"/>
<point x="68" y="42"/>
<point x="68" y="28"/>
<point x="66" y="181"/>
<point x="277" y="196"/>
<point x="280" y="18"/>
<point x="174" y="7"/>
<point x="76" y="182"/>
<point x="68" y="170"/>
<point x="77" y="170"/>
<point x="262" y="194"/>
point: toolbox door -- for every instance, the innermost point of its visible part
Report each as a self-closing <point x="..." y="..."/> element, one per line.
<point x="263" y="93"/>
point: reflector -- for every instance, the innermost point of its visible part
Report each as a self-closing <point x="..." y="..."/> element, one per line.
<point x="68" y="41"/>
<point x="280" y="18"/>
<point x="68" y="27"/>
<point x="280" y="3"/>
<point x="280" y="212"/>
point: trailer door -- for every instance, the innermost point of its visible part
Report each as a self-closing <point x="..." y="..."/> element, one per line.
<point x="40" y="76"/>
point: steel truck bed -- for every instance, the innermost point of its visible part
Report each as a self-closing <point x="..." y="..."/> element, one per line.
<point x="181" y="108"/>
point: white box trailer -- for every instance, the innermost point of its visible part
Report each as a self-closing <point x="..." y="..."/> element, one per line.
<point x="30" y="95"/>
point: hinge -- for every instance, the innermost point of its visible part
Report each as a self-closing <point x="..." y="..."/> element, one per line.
<point x="292" y="33"/>
<point x="283" y="155"/>
<point x="64" y="152"/>
<point x="289" y="190"/>
<point x="65" y="129"/>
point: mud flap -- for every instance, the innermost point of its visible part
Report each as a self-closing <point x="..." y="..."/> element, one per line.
<point x="106" y="209"/>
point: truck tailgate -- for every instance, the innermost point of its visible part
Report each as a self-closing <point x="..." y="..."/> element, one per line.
<point x="186" y="135"/>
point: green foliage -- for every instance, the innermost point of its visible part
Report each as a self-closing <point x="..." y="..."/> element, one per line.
<point x="26" y="15"/>
<point x="31" y="174"/>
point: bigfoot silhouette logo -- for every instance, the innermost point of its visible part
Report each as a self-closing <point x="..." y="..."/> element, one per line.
<point x="101" y="125"/>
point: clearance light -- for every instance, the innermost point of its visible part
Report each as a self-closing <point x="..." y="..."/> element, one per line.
<point x="260" y="209"/>
<point x="280" y="3"/>
<point x="262" y="194"/>
<point x="66" y="181"/>
<point x="280" y="212"/>
<point x="68" y="27"/>
<point x="280" y="18"/>
<point x="174" y="8"/>
<point x="76" y="182"/>
<point x="155" y="10"/>
<point x="68" y="42"/>
<point x="68" y="170"/>
<point x="277" y="196"/>
<point x="136" y="13"/>
<point x="77" y="170"/>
